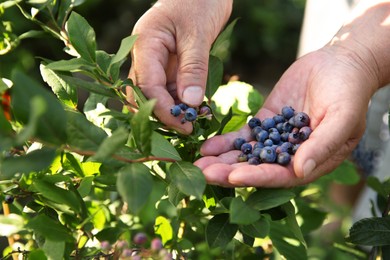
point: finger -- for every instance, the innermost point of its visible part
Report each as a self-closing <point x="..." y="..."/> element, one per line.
<point x="193" y="57"/>
<point x="335" y="137"/>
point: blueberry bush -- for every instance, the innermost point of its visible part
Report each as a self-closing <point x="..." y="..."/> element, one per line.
<point x="101" y="178"/>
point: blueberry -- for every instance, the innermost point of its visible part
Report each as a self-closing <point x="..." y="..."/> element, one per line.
<point x="295" y="148"/>
<point x="238" y="142"/>
<point x="284" y="147"/>
<point x="260" y="252"/>
<point x="301" y="119"/>
<point x="284" y="136"/>
<point x="262" y="136"/>
<point x="204" y="110"/>
<point x="254" y="161"/>
<point x="156" y="244"/>
<point x="268" y="123"/>
<point x="275" y="137"/>
<point x="288" y="112"/>
<point x="304" y="133"/>
<point x="279" y="127"/>
<point x="256" y="130"/>
<point x="283" y="158"/>
<point x="176" y="110"/>
<point x="268" y="155"/>
<point x="246" y="148"/>
<point x="287" y="127"/>
<point x="279" y="119"/>
<point x="256" y="152"/>
<point x="253" y="122"/>
<point x="183" y="106"/>
<point x="9" y="199"/>
<point x="140" y="238"/>
<point x="127" y="252"/>
<point x="294" y="138"/>
<point x="268" y="142"/>
<point x="190" y="114"/>
<point x="258" y="145"/>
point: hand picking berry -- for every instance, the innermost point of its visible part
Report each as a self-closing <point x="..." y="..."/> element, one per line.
<point x="278" y="137"/>
<point x="190" y="113"/>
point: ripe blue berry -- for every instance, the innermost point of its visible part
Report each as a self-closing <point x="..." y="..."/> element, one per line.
<point x="279" y="119"/>
<point x="9" y="199"/>
<point x="268" y="123"/>
<point x="268" y="142"/>
<point x="268" y="155"/>
<point x="288" y="112"/>
<point x="176" y="110"/>
<point x="275" y="137"/>
<point x="183" y="106"/>
<point x="254" y="161"/>
<point x="258" y="145"/>
<point x="287" y="127"/>
<point x="256" y="152"/>
<point x="304" y="133"/>
<point x="262" y="136"/>
<point x="294" y="138"/>
<point x="246" y="148"/>
<point x="301" y="119"/>
<point x="190" y="114"/>
<point x="284" y="158"/>
<point x="238" y="142"/>
<point x="253" y="122"/>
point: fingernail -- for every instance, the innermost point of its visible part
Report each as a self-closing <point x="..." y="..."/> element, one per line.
<point x="193" y="96"/>
<point x="308" y="167"/>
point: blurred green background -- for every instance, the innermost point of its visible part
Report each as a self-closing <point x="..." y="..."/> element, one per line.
<point x="263" y="44"/>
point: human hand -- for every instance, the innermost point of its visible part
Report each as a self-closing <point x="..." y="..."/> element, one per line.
<point x="170" y="55"/>
<point x="334" y="90"/>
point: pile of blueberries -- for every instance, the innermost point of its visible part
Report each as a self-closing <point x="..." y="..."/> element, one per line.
<point x="276" y="138"/>
<point x="190" y="113"/>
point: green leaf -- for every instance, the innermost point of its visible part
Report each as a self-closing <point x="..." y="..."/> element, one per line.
<point x="235" y="123"/>
<point x="34" y="161"/>
<point x="85" y="186"/>
<point x="292" y="223"/>
<point x="188" y="178"/>
<point x="111" y="145"/>
<point x="373" y="231"/>
<point x="88" y="86"/>
<point x="6" y="128"/>
<point x="56" y="194"/>
<point x="259" y="229"/>
<point x="82" y="36"/>
<point x="142" y="127"/>
<point x="219" y="232"/>
<point x="82" y="134"/>
<point x="52" y="124"/>
<point x="72" y="65"/>
<point x="49" y="228"/>
<point x="241" y="213"/>
<point x="345" y="173"/>
<point x="135" y="184"/>
<point x="222" y="42"/>
<point x="214" y="77"/>
<point x="381" y="188"/>
<point x="163" y="228"/>
<point x="161" y="147"/>
<point x="54" y="249"/>
<point x="286" y="243"/>
<point x="311" y="215"/>
<point x="263" y="199"/>
<point x="138" y="95"/>
<point x="124" y="49"/>
<point x="174" y="195"/>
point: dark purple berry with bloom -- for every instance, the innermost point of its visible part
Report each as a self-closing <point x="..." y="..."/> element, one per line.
<point x="242" y="157"/>
<point x="140" y="238"/>
<point x="304" y="133"/>
<point x="275" y="137"/>
<point x="268" y="155"/>
<point x="301" y="119"/>
<point x="284" y="136"/>
<point x="262" y="136"/>
<point x="294" y="138"/>
<point x="288" y="112"/>
<point x="238" y="142"/>
<point x="284" y="147"/>
<point x="190" y="114"/>
<point x="204" y="110"/>
<point x="258" y="145"/>
<point x="176" y="110"/>
<point x="256" y="130"/>
<point x="254" y="161"/>
<point x="279" y="119"/>
<point x="9" y="199"/>
<point x="268" y="123"/>
<point x="283" y="158"/>
<point x="246" y="148"/>
<point x="268" y="142"/>
<point x="253" y="122"/>
<point x="256" y="152"/>
<point x="156" y="244"/>
<point x="183" y="106"/>
<point x="295" y="130"/>
<point x="287" y="127"/>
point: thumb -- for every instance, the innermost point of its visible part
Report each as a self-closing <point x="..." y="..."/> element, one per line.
<point x="192" y="72"/>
